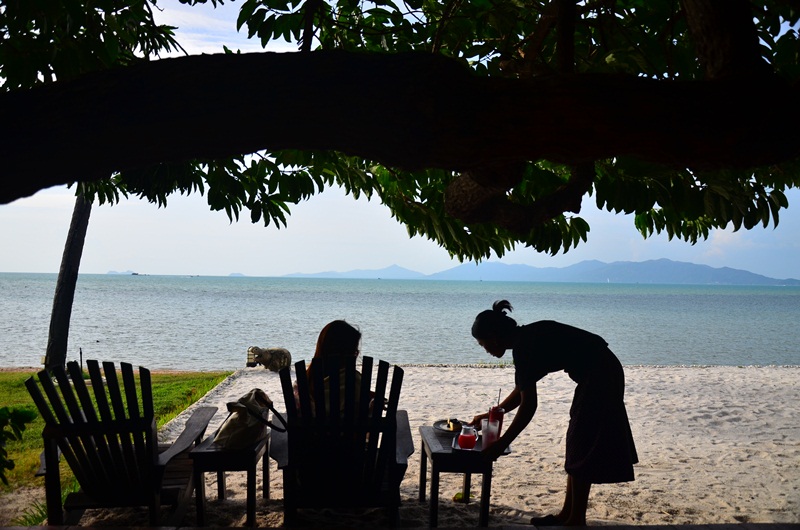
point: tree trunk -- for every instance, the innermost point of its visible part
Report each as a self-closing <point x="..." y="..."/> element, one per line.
<point x="56" y="354"/>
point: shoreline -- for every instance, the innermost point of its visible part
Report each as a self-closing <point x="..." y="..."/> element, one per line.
<point x="717" y="445"/>
<point x="437" y="365"/>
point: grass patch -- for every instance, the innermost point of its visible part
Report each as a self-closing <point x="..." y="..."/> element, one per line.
<point x="172" y="393"/>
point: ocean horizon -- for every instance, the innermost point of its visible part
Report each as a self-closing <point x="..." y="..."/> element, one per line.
<point x="207" y="323"/>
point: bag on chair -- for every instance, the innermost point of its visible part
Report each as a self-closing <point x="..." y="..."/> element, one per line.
<point x="248" y="421"/>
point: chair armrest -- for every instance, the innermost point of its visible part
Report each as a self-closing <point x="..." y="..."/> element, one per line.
<point x="192" y="433"/>
<point x="42" y="471"/>
<point x="405" y="444"/>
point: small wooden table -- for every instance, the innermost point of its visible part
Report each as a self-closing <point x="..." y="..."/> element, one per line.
<point x="209" y="456"/>
<point x="437" y="446"/>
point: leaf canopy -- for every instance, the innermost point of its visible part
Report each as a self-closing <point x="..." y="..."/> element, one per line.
<point x="533" y="203"/>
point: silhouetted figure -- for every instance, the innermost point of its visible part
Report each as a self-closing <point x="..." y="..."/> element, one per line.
<point x="600" y="447"/>
<point x="337" y="340"/>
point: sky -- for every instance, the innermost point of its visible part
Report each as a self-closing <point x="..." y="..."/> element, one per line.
<point x="329" y="232"/>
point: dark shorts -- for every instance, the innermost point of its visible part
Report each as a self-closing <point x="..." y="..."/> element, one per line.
<point x="600" y="447"/>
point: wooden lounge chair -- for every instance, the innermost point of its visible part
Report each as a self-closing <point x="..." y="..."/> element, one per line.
<point x="340" y="451"/>
<point x="108" y="437"/>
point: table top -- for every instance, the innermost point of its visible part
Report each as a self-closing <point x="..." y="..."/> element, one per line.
<point x="438" y="446"/>
<point x="210" y="453"/>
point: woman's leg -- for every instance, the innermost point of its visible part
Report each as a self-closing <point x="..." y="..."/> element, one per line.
<point x="566" y="510"/>
<point x="576" y="501"/>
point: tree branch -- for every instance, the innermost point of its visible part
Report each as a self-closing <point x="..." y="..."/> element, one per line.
<point x="480" y="196"/>
<point x="412" y="111"/>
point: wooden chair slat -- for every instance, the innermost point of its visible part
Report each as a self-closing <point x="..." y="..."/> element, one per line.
<point x="303" y="391"/>
<point x="114" y="392"/>
<point x="142" y="445"/>
<point x="146" y="385"/>
<point x="366" y="382"/>
<point x="375" y="422"/>
<point x="71" y="409"/>
<point x="333" y="373"/>
<point x="98" y="385"/>
<point x="288" y="393"/>
<point x="131" y="395"/>
<point x="349" y="415"/>
<point x="318" y="391"/>
<point x="56" y="405"/>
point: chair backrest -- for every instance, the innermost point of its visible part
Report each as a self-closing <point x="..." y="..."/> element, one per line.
<point x="108" y="436"/>
<point x="341" y="439"/>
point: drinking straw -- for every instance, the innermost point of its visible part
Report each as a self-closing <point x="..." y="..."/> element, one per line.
<point x="498" y="395"/>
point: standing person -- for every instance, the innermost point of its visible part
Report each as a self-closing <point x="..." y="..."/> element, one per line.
<point x="600" y="447"/>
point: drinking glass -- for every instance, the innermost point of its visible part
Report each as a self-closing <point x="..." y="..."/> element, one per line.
<point x="490" y="430"/>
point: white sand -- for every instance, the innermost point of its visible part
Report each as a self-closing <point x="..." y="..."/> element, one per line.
<point x="716" y="445"/>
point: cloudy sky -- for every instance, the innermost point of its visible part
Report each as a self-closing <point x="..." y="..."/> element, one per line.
<point x="330" y="232"/>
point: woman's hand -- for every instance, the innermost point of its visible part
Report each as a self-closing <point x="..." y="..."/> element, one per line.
<point x="476" y="421"/>
<point x="494" y="451"/>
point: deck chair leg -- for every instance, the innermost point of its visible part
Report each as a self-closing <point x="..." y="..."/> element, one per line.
<point x="52" y="484"/>
<point x="73" y="516"/>
<point x="394" y="516"/>
<point x="177" y="514"/>
<point x="289" y="506"/>
<point x="155" y="507"/>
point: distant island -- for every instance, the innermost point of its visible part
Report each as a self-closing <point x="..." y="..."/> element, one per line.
<point x="660" y="271"/>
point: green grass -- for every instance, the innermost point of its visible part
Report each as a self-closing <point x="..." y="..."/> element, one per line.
<point x="172" y="393"/>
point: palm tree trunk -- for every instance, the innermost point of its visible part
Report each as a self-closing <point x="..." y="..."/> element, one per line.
<point x="56" y="354"/>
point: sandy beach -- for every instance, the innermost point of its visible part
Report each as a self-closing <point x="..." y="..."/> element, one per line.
<point x="716" y="445"/>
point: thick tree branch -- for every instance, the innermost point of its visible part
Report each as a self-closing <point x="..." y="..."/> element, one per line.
<point x="481" y="195"/>
<point x="405" y="110"/>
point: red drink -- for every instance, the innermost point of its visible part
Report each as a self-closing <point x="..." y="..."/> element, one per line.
<point x="467" y="441"/>
<point x="496" y="413"/>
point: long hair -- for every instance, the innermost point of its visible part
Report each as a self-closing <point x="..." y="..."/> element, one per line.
<point x="494" y="322"/>
<point x="337" y="339"/>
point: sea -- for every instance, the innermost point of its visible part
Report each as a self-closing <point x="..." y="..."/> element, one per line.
<point x="207" y="323"/>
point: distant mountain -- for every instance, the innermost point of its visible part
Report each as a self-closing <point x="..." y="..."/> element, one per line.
<point x="660" y="271"/>
<point x="393" y="272"/>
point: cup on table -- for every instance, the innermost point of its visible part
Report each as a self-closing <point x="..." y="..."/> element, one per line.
<point x="490" y="430"/>
<point x="496" y="413"/>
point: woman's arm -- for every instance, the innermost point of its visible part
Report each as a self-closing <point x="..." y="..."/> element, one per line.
<point x="513" y="400"/>
<point x="528" y="402"/>
<point x="509" y="403"/>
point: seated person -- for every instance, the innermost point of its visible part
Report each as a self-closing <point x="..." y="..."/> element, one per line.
<point x="337" y="339"/>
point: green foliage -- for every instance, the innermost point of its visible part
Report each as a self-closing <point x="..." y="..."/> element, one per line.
<point x="12" y="424"/>
<point x="50" y="39"/>
<point x="510" y="39"/>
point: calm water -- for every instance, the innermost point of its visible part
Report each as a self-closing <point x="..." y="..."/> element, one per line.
<point x="207" y="323"/>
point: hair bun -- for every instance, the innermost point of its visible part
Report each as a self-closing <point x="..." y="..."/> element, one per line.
<point x="501" y="306"/>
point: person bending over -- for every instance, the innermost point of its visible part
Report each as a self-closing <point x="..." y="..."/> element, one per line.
<point x="599" y="444"/>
